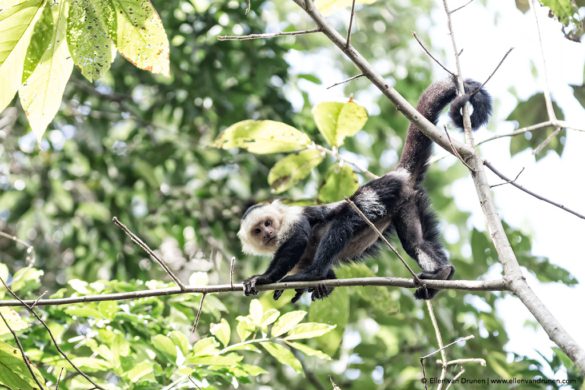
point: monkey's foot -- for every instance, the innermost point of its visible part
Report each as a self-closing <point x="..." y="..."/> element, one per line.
<point x="443" y="273"/>
<point x="250" y="284"/>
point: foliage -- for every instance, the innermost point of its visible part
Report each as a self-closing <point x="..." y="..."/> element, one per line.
<point x="145" y="342"/>
<point x="137" y="146"/>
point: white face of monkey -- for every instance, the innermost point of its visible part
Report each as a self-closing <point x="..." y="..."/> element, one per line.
<point x="260" y="230"/>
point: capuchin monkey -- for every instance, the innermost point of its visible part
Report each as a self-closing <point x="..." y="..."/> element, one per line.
<point x="306" y="242"/>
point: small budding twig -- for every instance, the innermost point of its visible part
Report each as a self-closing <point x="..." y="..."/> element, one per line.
<point x="149" y="251"/>
<point x="346" y="80"/>
<point x="460" y="7"/>
<point x="347" y="41"/>
<point x="196" y="323"/>
<point x="509" y="181"/>
<point x="430" y="55"/>
<point x="232" y="263"/>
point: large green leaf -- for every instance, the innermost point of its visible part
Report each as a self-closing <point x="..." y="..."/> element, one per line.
<point x="262" y="137"/>
<point x="90" y="29"/>
<point x="341" y="182"/>
<point x="293" y="168"/>
<point x="287" y="321"/>
<point x="41" y="95"/>
<point x="13" y="372"/>
<point x="339" y="120"/>
<point x="221" y="331"/>
<point x="17" y="21"/>
<point x="141" y="37"/>
<point x="308" y="330"/>
<point x="283" y="355"/>
<point x="308" y="350"/>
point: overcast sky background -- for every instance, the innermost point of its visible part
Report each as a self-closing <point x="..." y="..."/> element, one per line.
<point x="486" y="34"/>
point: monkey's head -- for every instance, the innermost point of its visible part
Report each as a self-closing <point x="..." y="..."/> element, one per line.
<point x="261" y="228"/>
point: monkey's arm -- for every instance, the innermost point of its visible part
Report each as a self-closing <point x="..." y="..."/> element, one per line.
<point x="285" y="258"/>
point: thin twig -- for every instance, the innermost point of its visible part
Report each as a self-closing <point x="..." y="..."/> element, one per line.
<point x="546" y="141"/>
<point x="61" y="352"/>
<point x="345" y="81"/>
<point x="266" y="35"/>
<point x="439" y="338"/>
<point x="547" y="94"/>
<point x="232" y="262"/>
<point x="30" y="250"/>
<point x="430" y="55"/>
<point x="336" y="156"/>
<point x="479" y="361"/>
<point x="460" y="7"/>
<point x="518" y="131"/>
<point x="196" y="323"/>
<point x="467" y="285"/>
<point x="59" y="379"/>
<point x="379" y="233"/>
<point x="448" y="345"/>
<point x="38" y="299"/>
<point x="347" y="41"/>
<point x="495" y="70"/>
<point x="456" y="377"/>
<point x="455" y="152"/>
<point x="149" y="251"/>
<point x="22" y="353"/>
<point x="509" y="181"/>
<point x="494" y="170"/>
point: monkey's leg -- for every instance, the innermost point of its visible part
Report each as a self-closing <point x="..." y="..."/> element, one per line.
<point x="416" y="227"/>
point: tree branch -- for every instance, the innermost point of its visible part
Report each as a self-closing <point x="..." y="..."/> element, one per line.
<point x="468" y="285"/>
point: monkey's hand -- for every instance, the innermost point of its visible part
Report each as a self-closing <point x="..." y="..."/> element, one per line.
<point x="250" y="284"/>
<point x="443" y="273"/>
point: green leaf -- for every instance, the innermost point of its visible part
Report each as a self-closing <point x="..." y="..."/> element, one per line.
<point x="531" y="112"/>
<point x="165" y="345"/>
<point x="269" y="317"/>
<point x="308" y="330"/>
<point x="41" y="95"/>
<point x="180" y="341"/>
<point x="14" y="321"/>
<point x="256" y="311"/>
<point x="253" y="370"/>
<point x="217" y="360"/>
<point x="309" y="351"/>
<point x="245" y="327"/>
<point x="262" y="137"/>
<point x="287" y="321"/>
<point x="563" y="9"/>
<point x="13" y="372"/>
<point x="335" y="311"/>
<point x="39" y="43"/>
<point x="206" y="346"/>
<point x="221" y="331"/>
<point x="140" y="372"/>
<point x="141" y="37"/>
<point x="283" y="355"/>
<point x="341" y="182"/>
<point x="337" y="120"/>
<point x="579" y="93"/>
<point x="17" y="21"/>
<point x="293" y="168"/>
<point x="26" y="279"/>
<point x="91" y="26"/>
<point x="90" y="364"/>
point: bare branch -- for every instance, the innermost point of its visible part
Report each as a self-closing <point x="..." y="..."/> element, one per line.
<point x="495" y="69"/>
<point x="30" y="250"/>
<point x="22" y="353"/>
<point x="441" y="349"/>
<point x="468" y="285"/>
<point x="345" y="81"/>
<point x="455" y="152"/>
<point x="448" y="345"/>
<point x="232" y="262"/>
<point x="266" y="35"/>
<point x="150" y="252"/>
<point x="479" y="361"/>
<point x="460" y="7"/>
<point x="568" y="210"/>
<point x="55" y="343"/>
<point x="430" y="55"/>
<point x="458" y="374"/>
<point x="546" y="141"/>
<point x="194" y="327"/>
<point x="508" y="181"/>
<point x="347" y="41"/>
<point x="337" y="157"/>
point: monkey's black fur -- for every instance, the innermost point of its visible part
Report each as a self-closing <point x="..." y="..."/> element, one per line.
<point x="312" y="239"/>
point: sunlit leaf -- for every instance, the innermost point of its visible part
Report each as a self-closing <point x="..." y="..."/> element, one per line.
<point x="309" y="351"/>
<point x="283" y="355"/>
<point x="337" y="120"/>
<point x="287" y="321"/>
<point x="180" y="341"/>
<point x="41" y="95"/>
<point x="14" y="321"/>
<point x="13" y="372"/>
<point x="165" y="345"/>
<point x="90" y="29"/>
<point x="293" y="168"/>
<point x="206" y="346"/>
<point x="140" y="372"/>
<point x="256" y="311"/>
<point x="17" y="21"/>
<point x="341" y="182"/>
<point x="90" y="364"/>
<point x="269" y="317"/>
<point x="141" y="37"/>
<point x="308" y="330"/>
<point x="222" y="331"/>
<point x="26" y="279"/>
<point x="262" y="137"/>
<point x="217" y="360"/>
<point x="244" y="328"/>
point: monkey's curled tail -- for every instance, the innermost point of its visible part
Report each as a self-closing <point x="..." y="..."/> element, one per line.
<point x="417" y="148"/>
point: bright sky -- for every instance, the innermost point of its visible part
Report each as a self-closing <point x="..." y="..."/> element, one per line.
<point x="485" y="35"/>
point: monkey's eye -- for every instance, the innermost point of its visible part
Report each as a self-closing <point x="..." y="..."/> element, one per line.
<point x="256" y="231"/>
<point x="267" y="223"/>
